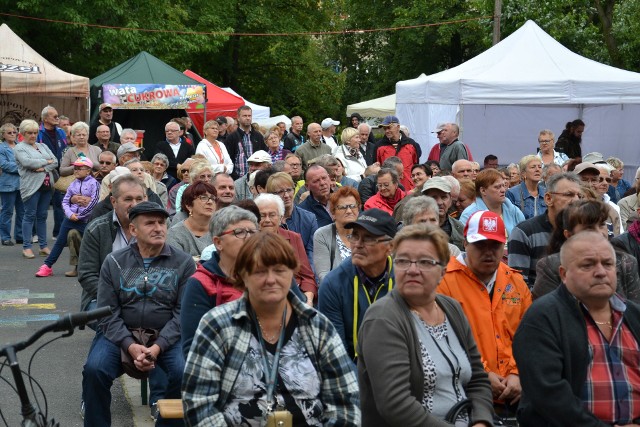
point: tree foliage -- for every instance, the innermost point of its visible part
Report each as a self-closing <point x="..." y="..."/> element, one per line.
<point x="313" y="76"/>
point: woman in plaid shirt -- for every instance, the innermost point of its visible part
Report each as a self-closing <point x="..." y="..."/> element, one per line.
<point x="268" y="354"/>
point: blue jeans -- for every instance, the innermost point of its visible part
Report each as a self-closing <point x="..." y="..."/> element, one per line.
<point x="103" y="366"/>
<point x="35" y="211"/>
<point x="11" y="200"/>
<point x="58" y="212"/>
<point x="61" y="241"/>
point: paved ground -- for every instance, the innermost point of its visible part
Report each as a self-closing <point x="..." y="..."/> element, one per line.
<point x="28" y="303"/>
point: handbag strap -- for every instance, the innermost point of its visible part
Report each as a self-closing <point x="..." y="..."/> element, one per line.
<point x="458" y="409"/>
<point x="333" y="245"/>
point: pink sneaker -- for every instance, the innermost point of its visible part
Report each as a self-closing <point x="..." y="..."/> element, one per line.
<point x="45" y="271"/>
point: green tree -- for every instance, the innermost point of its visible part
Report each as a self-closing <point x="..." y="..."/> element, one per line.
<point x="375" y="61"/>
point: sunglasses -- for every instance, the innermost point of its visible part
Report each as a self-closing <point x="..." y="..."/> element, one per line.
<point x="102" y="162"/>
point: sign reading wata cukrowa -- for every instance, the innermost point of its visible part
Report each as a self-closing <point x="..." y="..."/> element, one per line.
<point x="152" y="96"/>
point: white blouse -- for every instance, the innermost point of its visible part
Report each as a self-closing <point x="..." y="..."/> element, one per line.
<point x="218" y="164"/>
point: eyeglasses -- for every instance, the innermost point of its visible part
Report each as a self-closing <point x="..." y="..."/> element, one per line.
<point x="295" y="165"/>
<point x="386" y="184"/>
<point x="204" y="198"/>
<point x="283" y="192"/>
<point x="350" y="207"/>
<point x="424" y="264"/>
<point x="270" y="215"/>
<point x="10" y="132"/>
<point x="568" y="194"/>
<point x="367" y="240"/>
<point x="240" y="233"/>
<point x="102" y="162"/>
<point x="545" y="141"/>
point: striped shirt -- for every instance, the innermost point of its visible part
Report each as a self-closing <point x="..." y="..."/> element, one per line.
<point x="527" y="244"/>
<point x="611" y="391"/>
<point x="221" y="345"/>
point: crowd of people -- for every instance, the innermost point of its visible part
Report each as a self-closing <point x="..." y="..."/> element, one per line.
<point x="329" y="278"/>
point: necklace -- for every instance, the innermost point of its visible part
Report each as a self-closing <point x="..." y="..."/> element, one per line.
<point x="607" y="324"/>
<point x="437" y="315"/>
<point x="269" y="338"/>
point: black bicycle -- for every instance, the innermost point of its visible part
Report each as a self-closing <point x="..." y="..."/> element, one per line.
<point x="33" y="415"/>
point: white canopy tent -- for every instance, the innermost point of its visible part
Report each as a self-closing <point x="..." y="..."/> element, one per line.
<point x="260" y="112"/>
<point x="378" y="107"/>
<point x="272" y="121"/>
<point x="528" y="82"/>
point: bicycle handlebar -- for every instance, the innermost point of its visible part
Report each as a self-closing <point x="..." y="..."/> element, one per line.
<point x="31" y="416"/>
<point x="66" y="323"/>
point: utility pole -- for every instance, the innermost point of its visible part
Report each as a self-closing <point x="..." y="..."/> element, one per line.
<point x="497" y="11"/>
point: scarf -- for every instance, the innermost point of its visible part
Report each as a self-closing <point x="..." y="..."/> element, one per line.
<point x="392" y="202"/>
<point x="634" y="230"/>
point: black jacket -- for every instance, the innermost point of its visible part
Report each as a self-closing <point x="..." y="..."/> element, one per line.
<point x="232" y="141"/>
<point x="551" y="349"/>
<point x="186" y="150"/>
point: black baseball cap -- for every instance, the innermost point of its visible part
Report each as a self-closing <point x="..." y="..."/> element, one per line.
<point x="376" y="222"/>
<point x="147" y="208"/>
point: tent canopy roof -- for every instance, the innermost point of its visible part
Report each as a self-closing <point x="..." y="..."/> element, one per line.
<point x="378" y="107"/>
<point x="260" y="112"/>
<point x="27" y="73"/>
<point x="528" y="67"/>
<point x="141" y="69"/>
<point x="219" y="101"/>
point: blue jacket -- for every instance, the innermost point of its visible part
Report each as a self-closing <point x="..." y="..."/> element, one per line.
<point x="312" y="205"/>
<point x="10" y="179"/>
<point x="521" y="198"/>
<point x="511" y="215"/>
<point x="335" y="300"/>
<point x="305" y="224"/>
<point x="58" y="146"/>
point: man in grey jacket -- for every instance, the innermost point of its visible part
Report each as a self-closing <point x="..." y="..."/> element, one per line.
<point x="143" y="284"/>
<point x="105" y="234"/>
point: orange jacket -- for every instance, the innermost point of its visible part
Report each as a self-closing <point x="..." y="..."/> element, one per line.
<point x="493" y="322"/>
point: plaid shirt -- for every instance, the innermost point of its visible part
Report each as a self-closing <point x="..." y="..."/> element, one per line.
<point x="280" y="154"/>
<point x="612" y="391"/>
<point x="245" y="150"/>
<point x="220" y="346"/>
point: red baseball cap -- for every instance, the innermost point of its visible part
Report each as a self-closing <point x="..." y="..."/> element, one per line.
<point x="485" y="225"/>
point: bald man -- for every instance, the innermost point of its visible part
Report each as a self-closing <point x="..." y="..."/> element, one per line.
<point x="313" y="147"/>
<point x="462" y="169"/>
<point x="576" y="347"/>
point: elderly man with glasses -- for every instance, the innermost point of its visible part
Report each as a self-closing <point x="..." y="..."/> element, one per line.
<point x="529" y="240"/>
<point x="174" y="147"/>
<point x="366" y="276"/>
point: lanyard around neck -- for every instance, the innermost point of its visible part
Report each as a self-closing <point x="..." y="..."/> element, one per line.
<point x="270" y="372"/>
<point x="356" y="289"/>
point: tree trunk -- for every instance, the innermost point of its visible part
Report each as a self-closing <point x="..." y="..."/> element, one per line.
<point x="605" y="15"/>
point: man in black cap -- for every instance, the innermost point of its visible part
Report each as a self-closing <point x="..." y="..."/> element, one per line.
<point x="360" y="279"/>
<point x="143" y="284"/>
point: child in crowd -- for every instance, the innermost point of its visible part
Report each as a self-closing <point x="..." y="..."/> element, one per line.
<point x="76" y="214"/>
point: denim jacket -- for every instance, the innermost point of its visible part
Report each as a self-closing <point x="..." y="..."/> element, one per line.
<point x="9" y="178"/>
